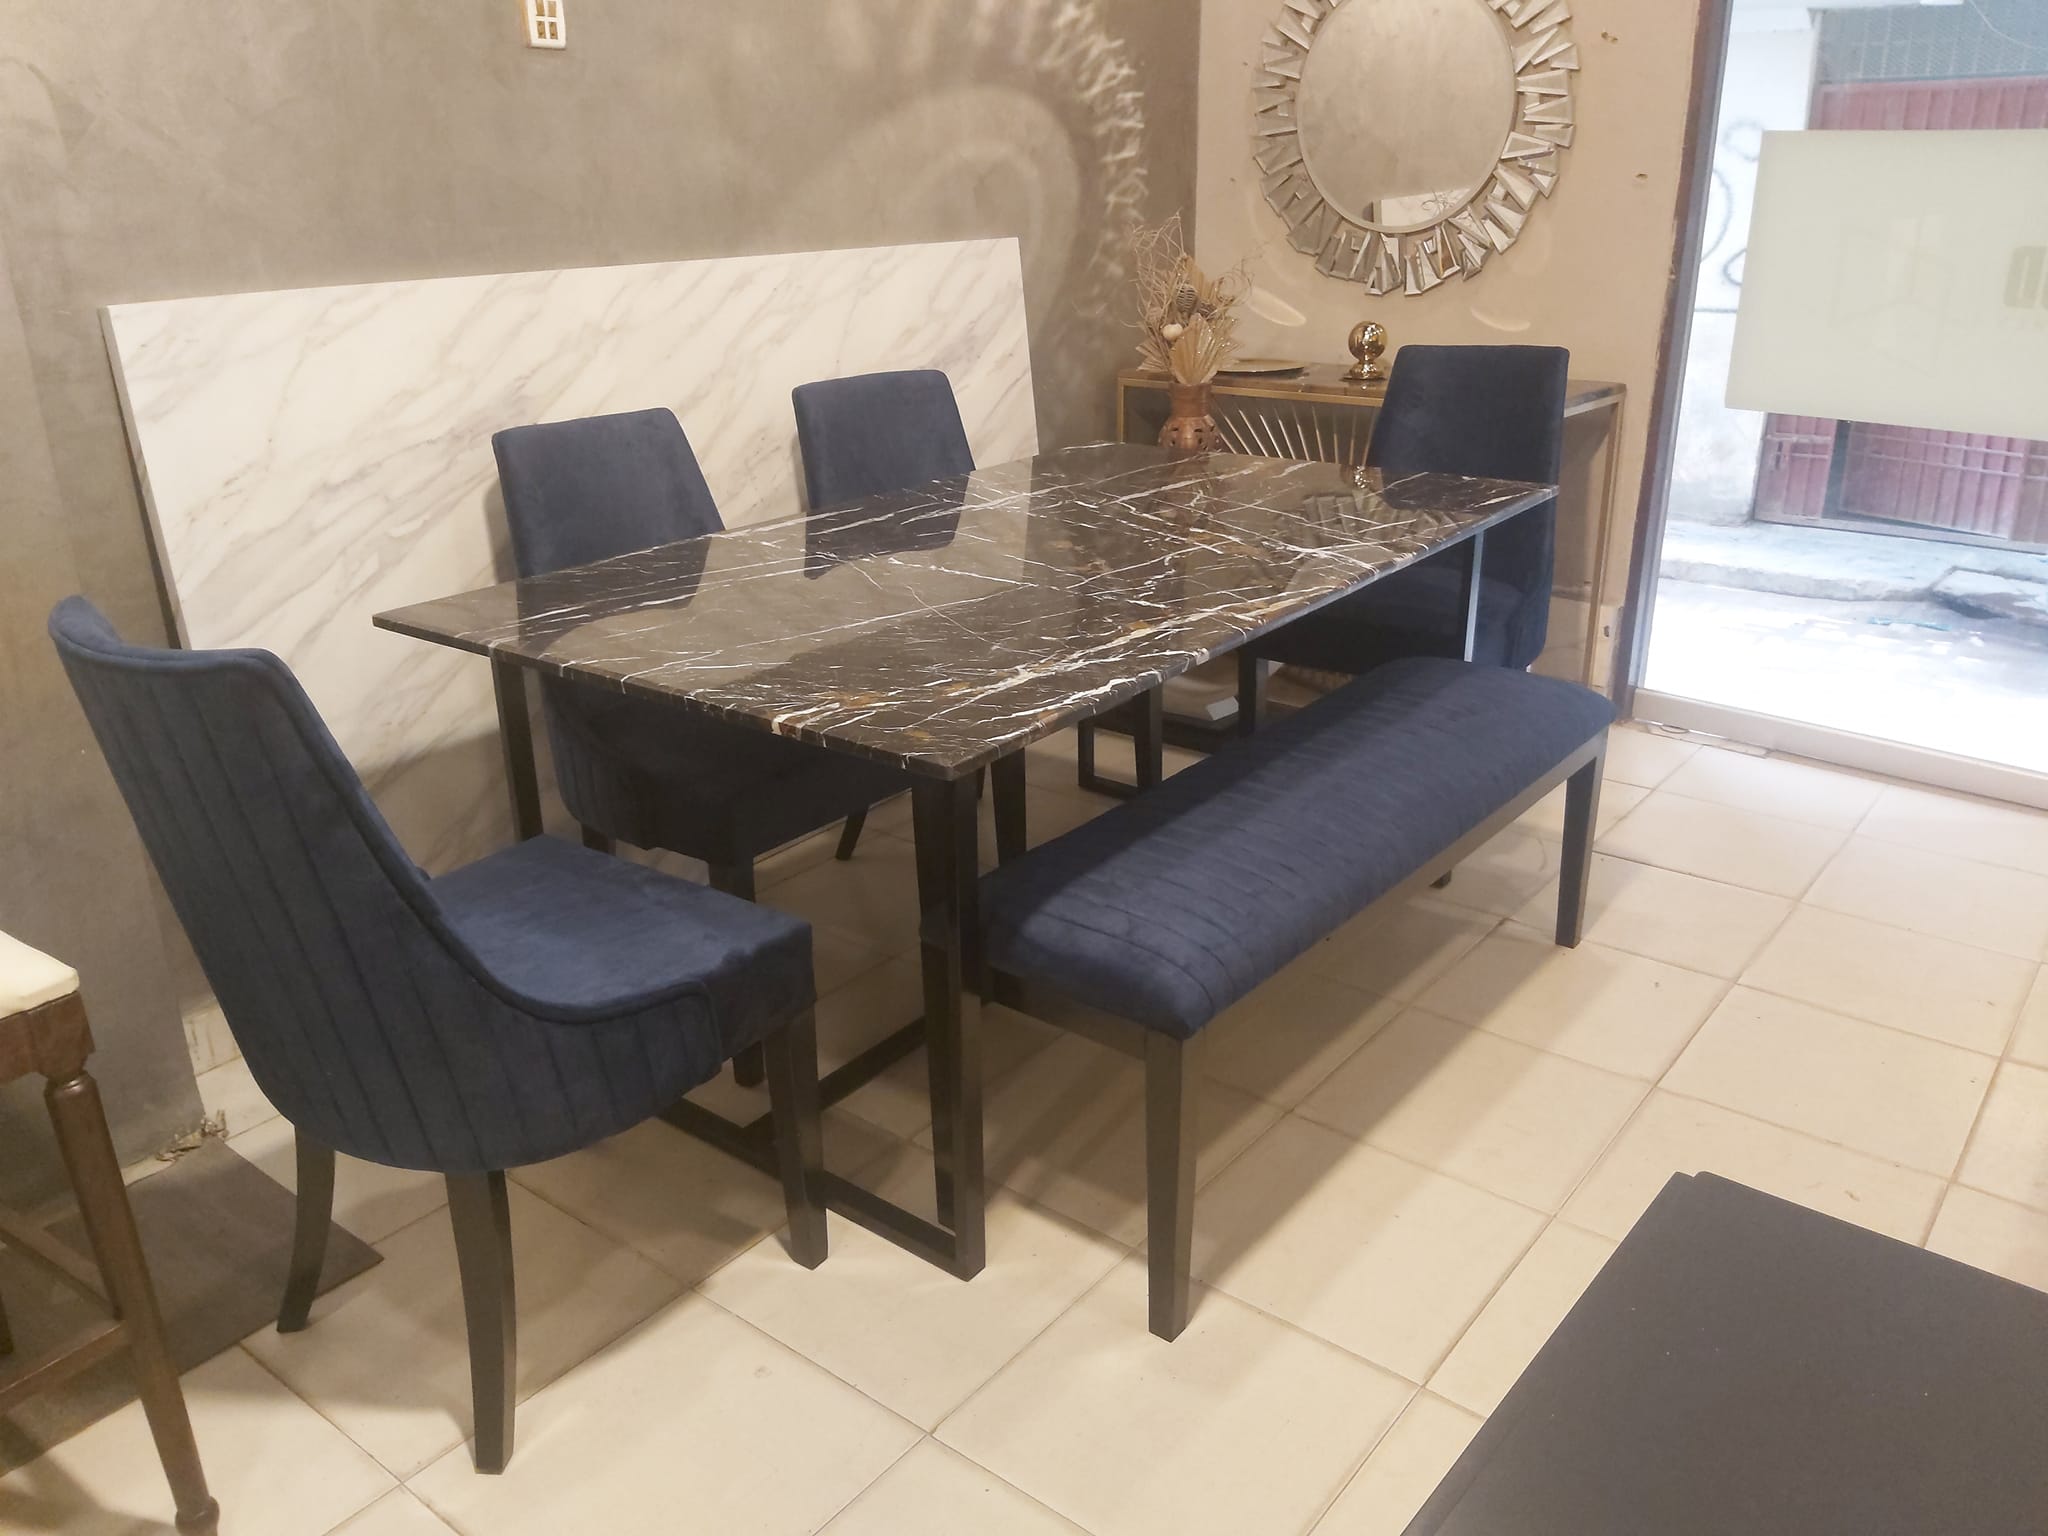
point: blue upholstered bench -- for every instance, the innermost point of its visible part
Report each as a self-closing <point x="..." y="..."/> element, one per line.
<point x="1141" y="926"/>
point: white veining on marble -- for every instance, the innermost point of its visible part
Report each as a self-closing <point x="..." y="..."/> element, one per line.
<point x="946" y="624"/>
<point x="310" y="457"/>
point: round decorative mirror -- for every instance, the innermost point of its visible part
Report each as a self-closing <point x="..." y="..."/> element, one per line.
<point x="1406" y="141"/>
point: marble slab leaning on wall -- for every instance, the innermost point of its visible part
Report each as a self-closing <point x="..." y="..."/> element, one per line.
<point x="313" y="456"/>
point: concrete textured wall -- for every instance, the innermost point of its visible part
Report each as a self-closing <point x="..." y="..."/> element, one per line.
<point x="149" y="149"/>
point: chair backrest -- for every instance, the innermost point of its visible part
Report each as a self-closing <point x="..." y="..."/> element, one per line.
<point x="323" y="946"/>
<point x="876" y="433"/>
<point x="589" y="489"/>
<point x="1496" y="411"/>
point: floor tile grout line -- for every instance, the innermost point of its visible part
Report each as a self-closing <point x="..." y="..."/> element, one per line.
<point x="1992" y="1194"/>
<point x="1878" y="922"/>
<point x="1748" y="810"/>
<point x="328" y="1419"/>
<point x="1840" y="1146"/>
<point x="1497" y="1287"/>
<point x="1130" y="1252"/>
<point x="1587" y="941"/>
<point x="791" y="1350"/>
<point x="1344" y="1483"/>
<point x="867" y="1487"/>
<point x="1857" y="1018"/>
<point x="1805" y="898"/>
<point x="1955" y="1173"/>
<point x="1401" y="1157"/>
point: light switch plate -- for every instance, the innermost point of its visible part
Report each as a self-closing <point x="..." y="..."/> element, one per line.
<point x="546" y="27"/>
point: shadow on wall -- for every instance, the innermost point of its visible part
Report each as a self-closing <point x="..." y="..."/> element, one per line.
<point x="292" y="146"/>
<point x="1045" y="137"/>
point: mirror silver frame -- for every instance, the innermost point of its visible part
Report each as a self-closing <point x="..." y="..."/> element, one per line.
<point x="1545" y="57"/>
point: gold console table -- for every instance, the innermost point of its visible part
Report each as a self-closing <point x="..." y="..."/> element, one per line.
<point x="1316" y="413"/>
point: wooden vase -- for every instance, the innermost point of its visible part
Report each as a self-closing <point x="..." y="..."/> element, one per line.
<point x="1189" y="426"/>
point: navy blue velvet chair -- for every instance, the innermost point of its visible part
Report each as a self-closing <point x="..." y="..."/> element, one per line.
<point x="639" y="772"/>
<point x="876" y="433"/>
<point x="1495" y="411"/>
<point x="514" y="1010"/>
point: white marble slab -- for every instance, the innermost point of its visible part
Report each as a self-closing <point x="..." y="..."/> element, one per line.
<point x="311" y="457"/>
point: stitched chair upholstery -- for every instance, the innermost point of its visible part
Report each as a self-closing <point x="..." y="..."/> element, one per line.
<point x="645" y="773"/>
<point x="517" y="1009"/>
<point x="876" y="433"/>
<point x="1495" y="411"/>
<point x="1180" y="902"/>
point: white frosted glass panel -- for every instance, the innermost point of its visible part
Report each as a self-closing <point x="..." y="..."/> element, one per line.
<point x="1899" y="278"/>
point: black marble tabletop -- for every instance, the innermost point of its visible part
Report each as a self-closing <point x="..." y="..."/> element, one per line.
<point x="945" y="626"/>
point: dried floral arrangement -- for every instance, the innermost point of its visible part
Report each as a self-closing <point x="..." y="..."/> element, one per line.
<point x="1187" y="319"/>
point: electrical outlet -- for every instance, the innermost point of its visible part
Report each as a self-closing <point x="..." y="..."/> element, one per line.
<point x="546" y="27"/>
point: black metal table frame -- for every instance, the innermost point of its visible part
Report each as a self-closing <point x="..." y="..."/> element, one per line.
<point x="946" y="828"/>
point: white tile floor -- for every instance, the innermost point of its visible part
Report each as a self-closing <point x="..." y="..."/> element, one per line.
<point x="1421" y="1142"/>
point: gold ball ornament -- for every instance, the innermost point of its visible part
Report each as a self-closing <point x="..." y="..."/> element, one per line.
<point x="1368" y="341"/>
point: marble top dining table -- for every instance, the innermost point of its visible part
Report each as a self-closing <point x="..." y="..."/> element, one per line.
<point x="943" y="629"/>
<point x="951" y="624"/>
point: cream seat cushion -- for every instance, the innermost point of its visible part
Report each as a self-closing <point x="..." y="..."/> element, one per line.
<point x="29" y="978"/>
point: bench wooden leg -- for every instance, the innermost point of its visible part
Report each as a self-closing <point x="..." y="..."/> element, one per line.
<point x="480" y="1212"/>
<point x="1170" y="1136"/>
<point x="1581" y="813"/>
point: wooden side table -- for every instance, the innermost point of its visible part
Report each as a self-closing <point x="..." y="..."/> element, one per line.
<point x="43" y="1030"/>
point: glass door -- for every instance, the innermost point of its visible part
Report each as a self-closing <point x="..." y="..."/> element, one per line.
<point x="1854" y="560"/>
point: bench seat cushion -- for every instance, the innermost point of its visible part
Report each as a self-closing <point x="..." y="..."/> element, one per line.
<point x="1171" y="907"/>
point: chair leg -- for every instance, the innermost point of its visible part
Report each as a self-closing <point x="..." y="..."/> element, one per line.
<point x="315" y="1209"/>
<point x="81" y="1126"/>
<point x="792" y="1053"/>
<point x="1581" y="814"/>
<point x="1251" y="692"/>
<point x="1170" y="1136"/>
<point x="849" y="836"/>
<point x="748" y="1068"/>
<point x="6" y="1332"/>
<point x="482" y="1217"/>
<point x="599" y="842"/>
<point x="1084" y="754"/>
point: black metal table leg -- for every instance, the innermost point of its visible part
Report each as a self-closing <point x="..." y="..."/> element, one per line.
<point x="1468" y="593"/>
<point x="1147" y="725"/>
<point x="1148" y="738"/>
<point x="515" y="736"/>
<point x="944" y="819"/>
